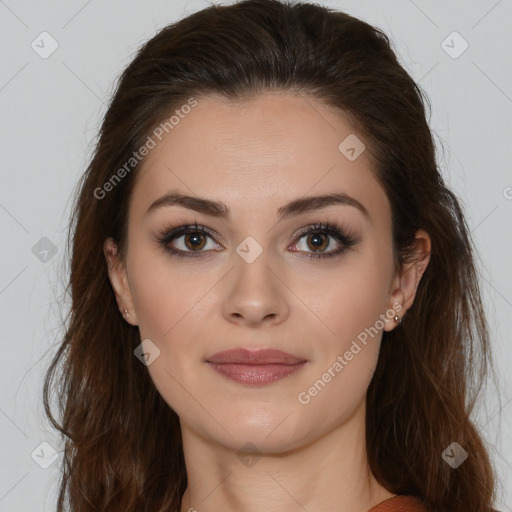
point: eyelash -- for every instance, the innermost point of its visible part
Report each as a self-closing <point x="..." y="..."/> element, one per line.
<point x="347" y="239"/>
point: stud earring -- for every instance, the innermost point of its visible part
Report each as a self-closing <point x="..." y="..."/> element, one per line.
<point x="397" y="319"/>
<point x="126" y="313"/>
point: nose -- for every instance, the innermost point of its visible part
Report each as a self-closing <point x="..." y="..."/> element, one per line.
<point x="256" y="294"/>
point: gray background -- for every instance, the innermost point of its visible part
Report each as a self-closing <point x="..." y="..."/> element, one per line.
<point x="50" y="112"/>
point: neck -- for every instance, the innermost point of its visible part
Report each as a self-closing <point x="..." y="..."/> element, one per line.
<point x="330" y="473"/>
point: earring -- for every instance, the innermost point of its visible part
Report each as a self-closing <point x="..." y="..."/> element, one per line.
<point x="126" y="313"/>
<point x="397" y="319"/>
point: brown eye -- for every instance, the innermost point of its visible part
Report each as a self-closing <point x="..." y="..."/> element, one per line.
<point x="323" y="240"/>
<point x="188" y="241"/>
<point x="317" y="241"/>
<point x="195" y="241"/>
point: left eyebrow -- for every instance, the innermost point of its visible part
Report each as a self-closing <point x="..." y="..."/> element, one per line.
<point x="295" y="207"/>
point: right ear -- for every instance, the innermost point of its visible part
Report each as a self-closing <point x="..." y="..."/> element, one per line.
<point x="119" y="280"/>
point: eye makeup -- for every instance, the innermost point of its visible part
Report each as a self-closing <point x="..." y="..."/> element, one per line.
<point x="195" y="236"/>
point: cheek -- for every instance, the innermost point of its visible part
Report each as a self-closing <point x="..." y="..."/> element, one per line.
<point x="349" y="298"/>
<point x="167" y="303"/>
<point x="162" y="296"/>
<point x="347" y="355"/>
<point x="170" y="302"/>
<point x="334" y="395"/>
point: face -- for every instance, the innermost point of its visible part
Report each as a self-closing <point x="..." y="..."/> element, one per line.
<point x="313" y="279"/>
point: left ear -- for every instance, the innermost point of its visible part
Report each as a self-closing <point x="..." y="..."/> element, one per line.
<point x="407" y="280"/>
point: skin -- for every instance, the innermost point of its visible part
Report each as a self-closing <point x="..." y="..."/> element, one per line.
<point x="255" y="156"/>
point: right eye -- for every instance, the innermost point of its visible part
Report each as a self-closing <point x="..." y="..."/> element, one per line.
<point x="194" y="240"/>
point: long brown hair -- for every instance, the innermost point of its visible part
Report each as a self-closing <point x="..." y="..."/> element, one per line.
<point x="123" y="448"/>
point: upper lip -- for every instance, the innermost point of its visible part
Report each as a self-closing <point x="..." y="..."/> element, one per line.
<point x="255" y="357"/>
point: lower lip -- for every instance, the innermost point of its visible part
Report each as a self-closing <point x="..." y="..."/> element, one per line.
<point x="256" y="374"/>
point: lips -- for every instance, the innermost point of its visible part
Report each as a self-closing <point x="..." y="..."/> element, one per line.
<point x="255" y="368"/>
<point x="254" y="357"/>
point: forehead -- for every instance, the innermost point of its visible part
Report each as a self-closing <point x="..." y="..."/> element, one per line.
<point x="269" y="149"/>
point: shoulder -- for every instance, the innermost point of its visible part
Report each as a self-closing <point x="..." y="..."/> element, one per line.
<point x="400" y="503"/>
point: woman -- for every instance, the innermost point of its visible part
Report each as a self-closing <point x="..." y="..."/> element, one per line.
<point x="274" y="298"/>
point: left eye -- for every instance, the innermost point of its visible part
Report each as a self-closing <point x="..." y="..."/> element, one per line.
<point x="316" y="241"/>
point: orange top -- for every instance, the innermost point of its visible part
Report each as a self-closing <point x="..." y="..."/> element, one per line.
<point x="399" y="503"/>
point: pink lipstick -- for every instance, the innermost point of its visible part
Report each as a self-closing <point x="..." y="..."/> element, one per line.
<point x="255" y="367"/>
